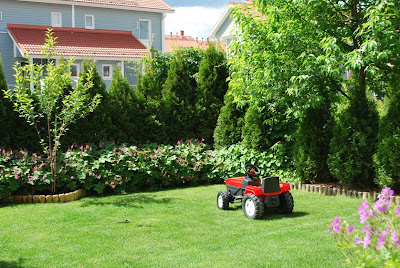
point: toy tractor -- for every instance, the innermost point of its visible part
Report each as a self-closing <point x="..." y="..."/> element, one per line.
<point x="271" y="195"/>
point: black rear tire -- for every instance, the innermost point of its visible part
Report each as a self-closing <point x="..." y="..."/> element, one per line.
<point x="223" y="199"/>
<point x="253" y="206"/>
<point x="286" y="203"/>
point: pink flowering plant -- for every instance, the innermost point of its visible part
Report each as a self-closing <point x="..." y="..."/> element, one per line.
<point x="375" y="242"/>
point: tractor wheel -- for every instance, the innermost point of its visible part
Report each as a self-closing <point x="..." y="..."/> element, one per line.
<point x="223" y="199"/>
<point x="286" y="203"/>
<point x="253" y="206"/>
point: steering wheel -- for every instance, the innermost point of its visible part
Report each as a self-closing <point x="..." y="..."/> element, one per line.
<point x="252" y="170"/>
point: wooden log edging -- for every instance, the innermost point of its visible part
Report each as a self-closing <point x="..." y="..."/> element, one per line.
<point x="332" y="191"/>
<point x="68" y="197"/>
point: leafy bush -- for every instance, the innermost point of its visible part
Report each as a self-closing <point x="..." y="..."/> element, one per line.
<point x="376" y="243"/>
<point x="111" y="168"/>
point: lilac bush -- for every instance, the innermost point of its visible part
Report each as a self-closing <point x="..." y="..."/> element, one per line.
<point x="376" y="242"/>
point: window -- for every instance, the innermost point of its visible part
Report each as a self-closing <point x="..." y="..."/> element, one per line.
<point x="56" y="19"/>
<point x="89" y="22"/>
<point x="107" y="71"/>
<point x="74" y="69"/>
<point x="144" y="30"/>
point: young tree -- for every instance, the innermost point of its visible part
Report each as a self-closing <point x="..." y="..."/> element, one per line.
<point x="39" y="93"/>
<point x="4" y="130"/>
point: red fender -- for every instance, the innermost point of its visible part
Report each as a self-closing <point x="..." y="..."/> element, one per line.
<point x="285" y="187"/>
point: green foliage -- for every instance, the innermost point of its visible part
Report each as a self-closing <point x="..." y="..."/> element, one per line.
<point x="40" y="94"/>
<point x="229" y="124"/>
<point x="98" y="125"/>
<point x="354" y="142"/>
<point x="178" y="96"/>
<point x="212" y="86"/>
<point x="312" y="140"/>
<point x="388" y="153"/>
<point x="5" y="139"/>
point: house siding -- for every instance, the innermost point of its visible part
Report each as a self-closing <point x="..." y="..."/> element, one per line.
<point x="21" y="12"/>
<point x="226" y="28"/>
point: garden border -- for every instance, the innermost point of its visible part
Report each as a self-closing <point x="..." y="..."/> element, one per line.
<point x="333" y="191"/>
<point x="61" y="198"/>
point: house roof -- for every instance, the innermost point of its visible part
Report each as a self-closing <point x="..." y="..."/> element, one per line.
<point x="151" y="5"/>
<point x="78" y="42"/>
<point x="247" y="6"/>
<point x="175" y="41"/>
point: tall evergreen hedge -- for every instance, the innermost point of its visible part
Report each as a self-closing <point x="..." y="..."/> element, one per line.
<point x="354" y="141"/>
<point x="211" y="88"/>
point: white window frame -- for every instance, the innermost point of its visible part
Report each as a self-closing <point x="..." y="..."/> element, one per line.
<point x="77" y="71"/>
<point x="86" y="26"/>
<point x="149" y="21"/>
<point x="53" y="24"/>
<point x="109" y="77"/>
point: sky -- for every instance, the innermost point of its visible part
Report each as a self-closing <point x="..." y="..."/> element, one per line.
<point x="195" y="17"/>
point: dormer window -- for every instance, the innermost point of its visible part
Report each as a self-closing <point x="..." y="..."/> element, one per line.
<point x="144" y="30"/>
<point x="89" y="21"/>
<point x="56" y="19"/>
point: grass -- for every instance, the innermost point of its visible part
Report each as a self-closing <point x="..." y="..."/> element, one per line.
<point x="174" y="228"/>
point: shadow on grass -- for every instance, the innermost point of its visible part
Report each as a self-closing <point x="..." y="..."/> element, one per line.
<point x="136" y="200"/>
<point x="13" y="264"/>
<point x="276" y="216"/>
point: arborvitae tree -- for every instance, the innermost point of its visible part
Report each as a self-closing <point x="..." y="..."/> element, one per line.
<point x="354" y="141"/>
<point x="230" y="122"/>
<point x="254" y="132"/>
<point x="96" y="126"/>
<point x="312" y="140"/>
<point x="211" y="88"/>
<point x="122" y="109"/>
<point x="178" y="97"/>
<point x="388" y="153"/>
<point x="4" y="130"/>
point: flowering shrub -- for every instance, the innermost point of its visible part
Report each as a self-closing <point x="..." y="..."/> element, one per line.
<point x="111" y="168"/>
<point x="376" y="243"/>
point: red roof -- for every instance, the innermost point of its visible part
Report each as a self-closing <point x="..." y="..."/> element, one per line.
<point x="150" y="4"/>
<point x="78" y="42"/>
<point x="173" y="42"/>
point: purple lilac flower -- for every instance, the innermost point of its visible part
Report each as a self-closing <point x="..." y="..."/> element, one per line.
<point x="363" y="206"/>
<point x="381" y="239"/>
<point x="382" y="205"/>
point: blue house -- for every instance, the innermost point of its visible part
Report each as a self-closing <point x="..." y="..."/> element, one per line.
<point x="115" y="34"/>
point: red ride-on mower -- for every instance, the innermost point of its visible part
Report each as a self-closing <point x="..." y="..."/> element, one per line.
<point x="271" y="195"/>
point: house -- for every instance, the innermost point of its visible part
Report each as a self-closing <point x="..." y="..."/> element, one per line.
<point x="114" y="34"/>
<point x="175" y="41"/>
<point x="225" y="27"/>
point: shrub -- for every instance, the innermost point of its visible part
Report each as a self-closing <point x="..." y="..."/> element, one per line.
<point x="354" y="142"/>
<point x="212" y="86"/>
<point x="96" y="126"/>
<point x="388" y="153"/>
<point x="312" y="140"/>
<point x="229" y="124"/>
<point x="376" y="243"/>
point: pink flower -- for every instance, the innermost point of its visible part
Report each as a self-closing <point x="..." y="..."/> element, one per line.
<point x="350" y="229"/>
<point x="395" y="239"/>
<point x="386" y="193"/>
<point x="398" y="211"/>
<point x="336" y="226"/>
<point x="364" y="215"/>
<point x="363" y="207"/>
<point x="381" y="239"/>
<point x="382" y="205"/>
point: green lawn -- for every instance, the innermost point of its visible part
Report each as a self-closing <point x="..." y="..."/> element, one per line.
<point x="174" y="228"/>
